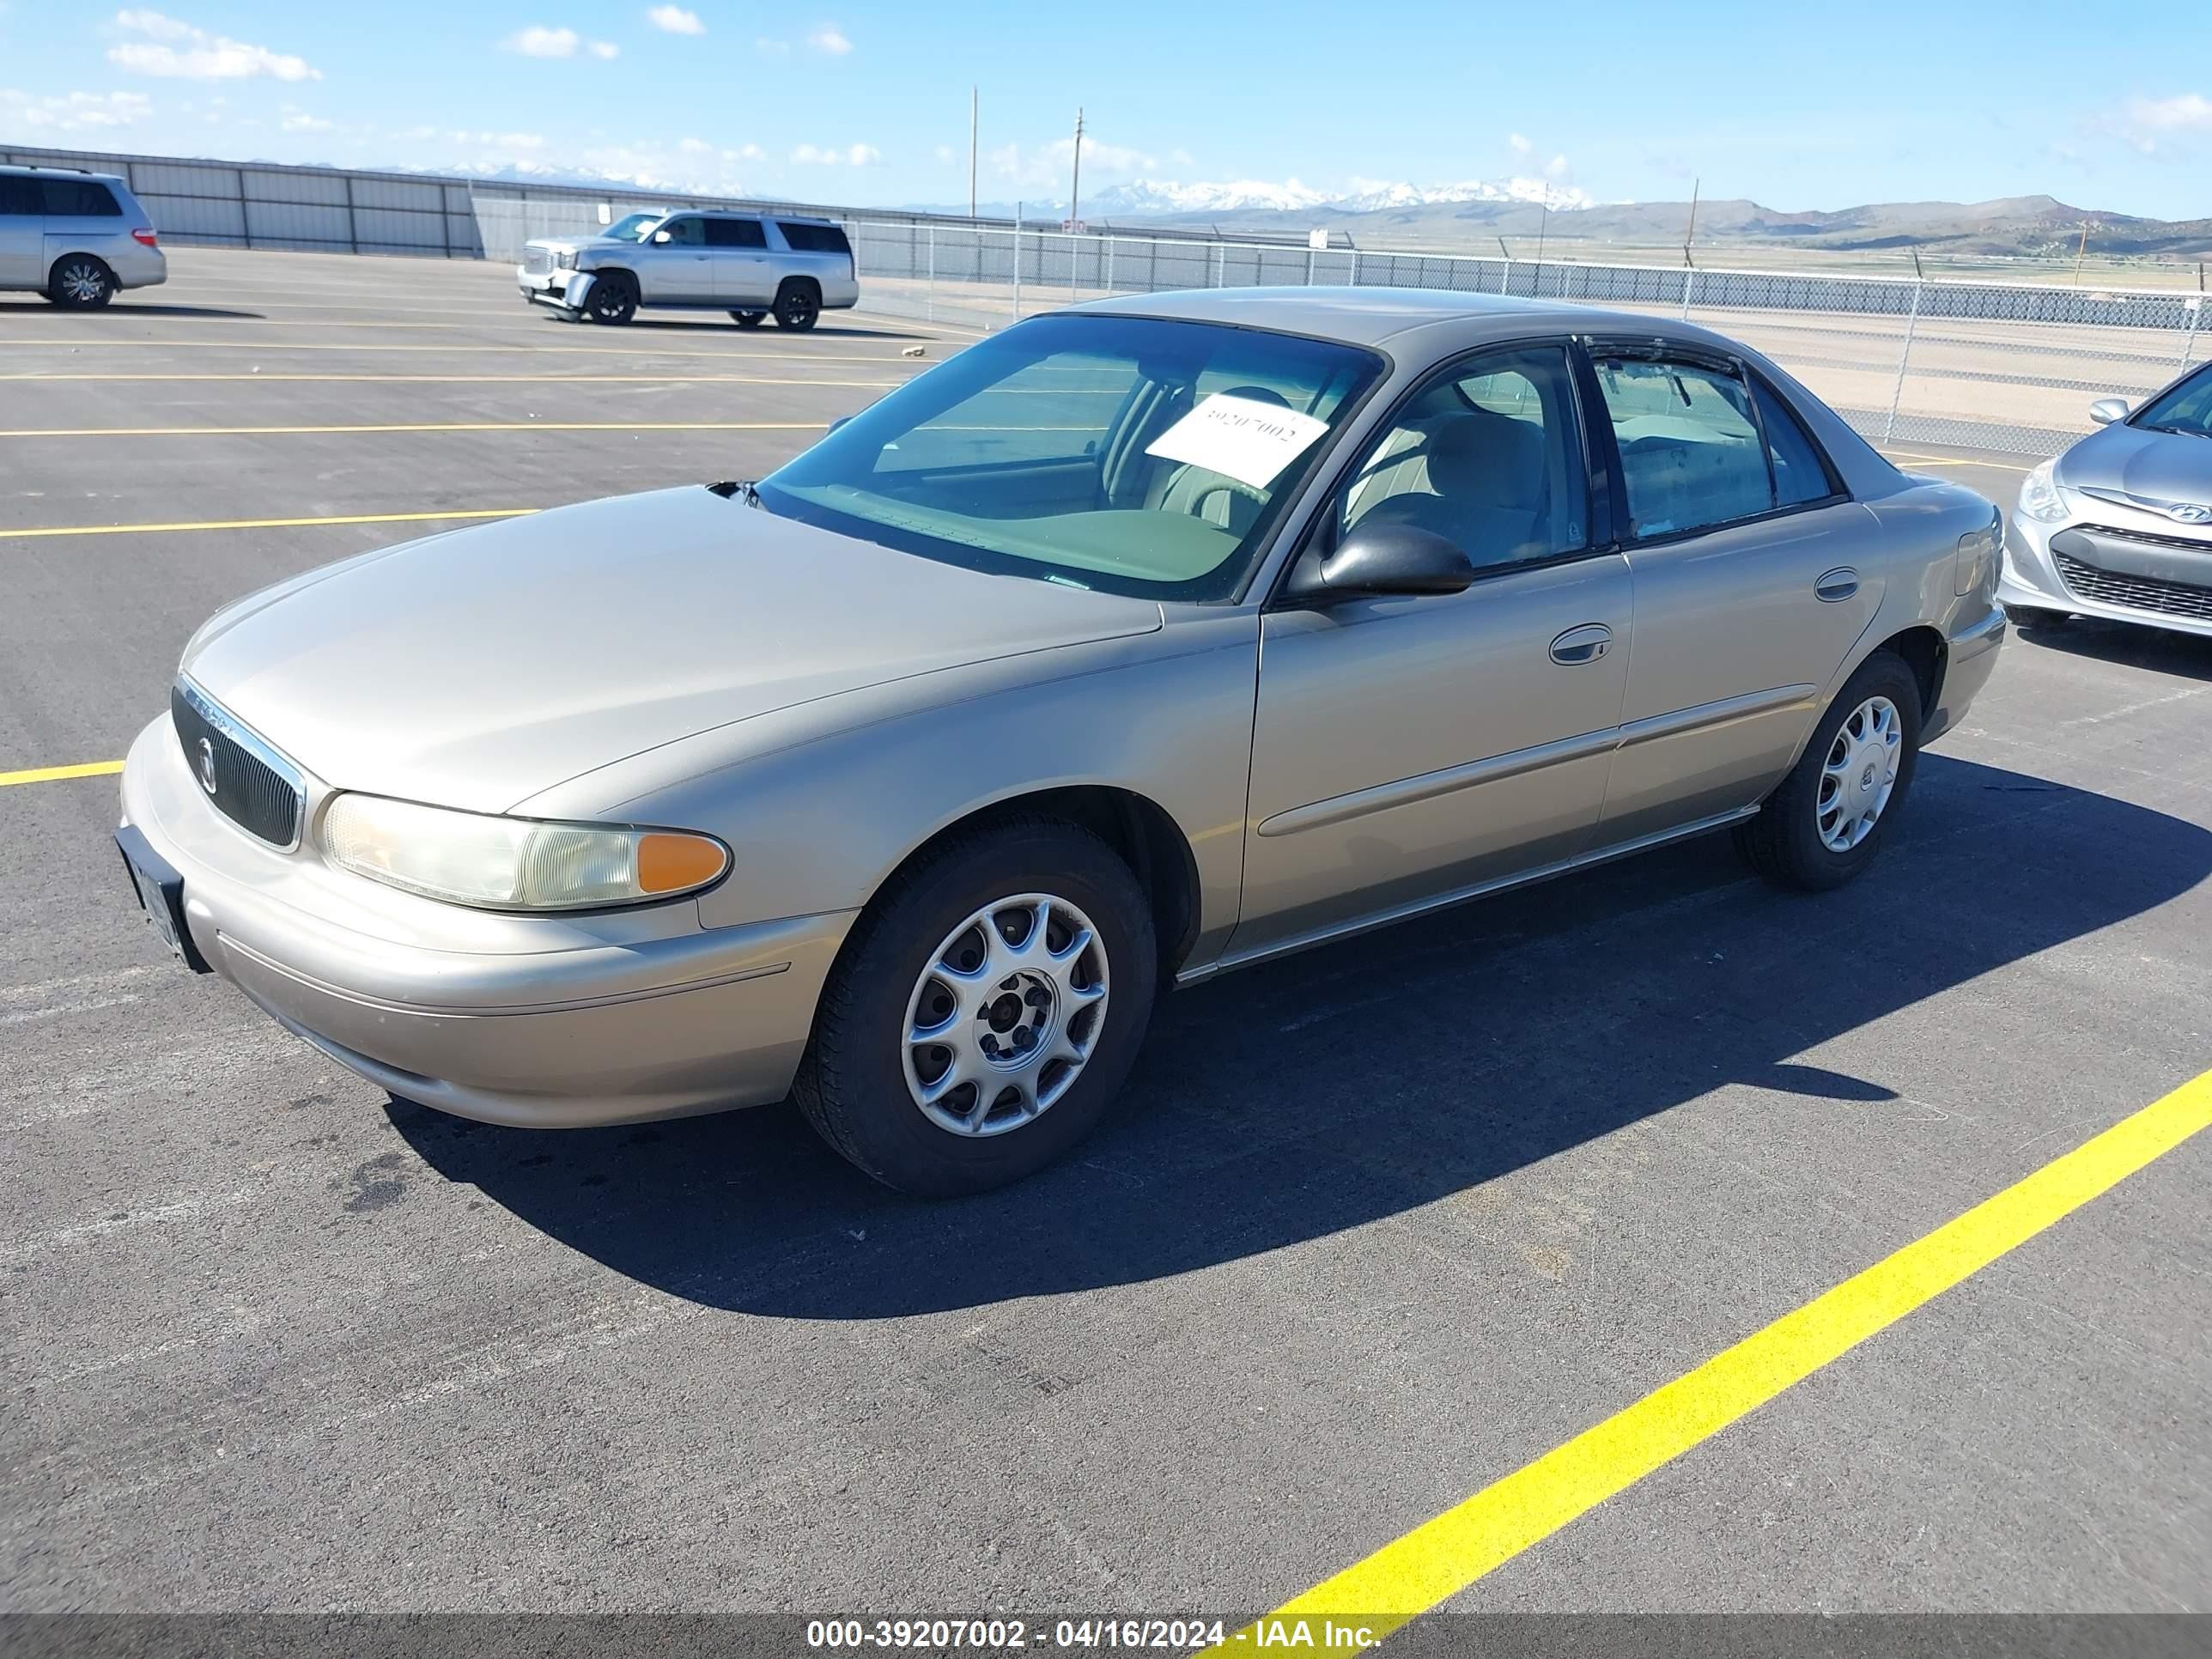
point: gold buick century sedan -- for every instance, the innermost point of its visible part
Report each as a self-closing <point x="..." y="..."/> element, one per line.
<point x="1140" y="642"/>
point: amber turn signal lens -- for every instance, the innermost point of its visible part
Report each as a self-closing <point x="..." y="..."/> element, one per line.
<point x="668" y="863"/>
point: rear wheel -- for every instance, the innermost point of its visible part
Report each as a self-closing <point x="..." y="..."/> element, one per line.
<point x="749" y="319"/>
<point x="986" y="1011"/>
<point x="613" y="299"/>
<point x="1823" y="823"/>
<point x="798" y="304"/>
<point x="81" y="281"/>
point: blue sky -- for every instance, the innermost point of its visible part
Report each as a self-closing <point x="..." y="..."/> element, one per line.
<point x="1796" y="106"/>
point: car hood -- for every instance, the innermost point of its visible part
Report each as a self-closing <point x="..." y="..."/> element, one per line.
<point x="482" y="666"/>
<point x="2159" y="466"/>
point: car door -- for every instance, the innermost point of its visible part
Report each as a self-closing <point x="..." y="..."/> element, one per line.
<point x="1754" y="573"/>
<point x="1409" y="749"/>
<point x="23" y="232"/>
<point x="738" y="251"/>
<point x="672" y="266"/>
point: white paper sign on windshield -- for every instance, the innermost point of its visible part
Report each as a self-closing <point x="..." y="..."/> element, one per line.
<point x="1240" y="438"/>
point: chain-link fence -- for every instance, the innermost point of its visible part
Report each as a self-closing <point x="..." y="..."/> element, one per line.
<point x="2000" y="365"/>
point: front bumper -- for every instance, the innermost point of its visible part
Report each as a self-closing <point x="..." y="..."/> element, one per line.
<point x="538" y="1021"/>
<point x="2031" y="580"/>
<point x="563" y="290"/>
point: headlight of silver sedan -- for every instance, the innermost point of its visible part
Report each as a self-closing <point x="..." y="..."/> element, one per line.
<point x="515" y="864"/>
<point x="2040" y="497"/>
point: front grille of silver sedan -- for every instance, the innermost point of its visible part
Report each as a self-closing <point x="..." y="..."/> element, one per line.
<point x="537" y="261"/>
<point x="247" y="781"/>
<point x="2140" y="592"/>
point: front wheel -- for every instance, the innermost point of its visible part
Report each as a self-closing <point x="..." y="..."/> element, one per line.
<point x="612" y="299"/>
<point x="985" y="1012"/>
<point x="1824" y="822"/>
<point x="798" y="306"/>
<point x="749" y="319"/>
<point x="81" y="281"/>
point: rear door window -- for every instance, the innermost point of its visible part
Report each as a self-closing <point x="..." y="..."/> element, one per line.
<point x="19" y="198"/>
<point x="1800" y="475"/>
<point x="813" y="239"/>
<point x="79" y="198"/>
<point x="1691" y="454"/>
<point x="735" y="233"/>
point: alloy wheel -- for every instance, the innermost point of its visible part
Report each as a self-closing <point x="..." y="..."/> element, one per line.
<point x="82" y="282"/>
<point x="1859" y="774"/>
<point x="1006" y="1015"/>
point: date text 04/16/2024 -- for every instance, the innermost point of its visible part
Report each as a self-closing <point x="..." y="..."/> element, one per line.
<point x="1004" y="1635"/>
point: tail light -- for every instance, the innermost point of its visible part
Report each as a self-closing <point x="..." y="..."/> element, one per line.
<point x="144" y="238"/>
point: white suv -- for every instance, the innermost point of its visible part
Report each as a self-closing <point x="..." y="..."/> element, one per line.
<point x="77" y="238"/>
<point x="752" y="265"/>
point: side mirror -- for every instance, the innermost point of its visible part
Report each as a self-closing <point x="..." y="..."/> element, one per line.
<point x="1378" y="561"/>
<point x="662" y="236"/>
<point x="2105" y="410"/>
<point x="834" y="424"/>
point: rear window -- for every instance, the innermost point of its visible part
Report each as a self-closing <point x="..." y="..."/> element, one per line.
<point x="735" y="233"/>
<point x="814" y="238"/>
<point x="19" y="197"/>
<point x="79" y="198"/>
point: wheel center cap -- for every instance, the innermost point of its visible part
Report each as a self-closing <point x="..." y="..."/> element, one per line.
<point x="1006" y="1013"/>
<point x="1866" y="778"/>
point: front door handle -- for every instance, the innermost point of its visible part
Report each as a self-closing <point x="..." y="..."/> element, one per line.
<point x="1836" y="585"/>
<point x="1584" y="644"/>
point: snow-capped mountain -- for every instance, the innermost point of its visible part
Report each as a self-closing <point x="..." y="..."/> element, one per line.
<point x="1143" y="197"/>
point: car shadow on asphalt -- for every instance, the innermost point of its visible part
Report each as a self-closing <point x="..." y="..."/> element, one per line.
<point x="2158" y="650"/>
<point x="721" y="325"/>
<point x="33" y="307"/>
<point x="1364" y="1079"/>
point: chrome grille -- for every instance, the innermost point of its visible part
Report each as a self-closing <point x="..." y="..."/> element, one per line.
<point x="248" y="783"/>
<point x="537" y="260"/>
<point x="2140" y="592"/>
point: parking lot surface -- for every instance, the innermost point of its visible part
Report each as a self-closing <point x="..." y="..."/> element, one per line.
<point x="1378" y="1225"/>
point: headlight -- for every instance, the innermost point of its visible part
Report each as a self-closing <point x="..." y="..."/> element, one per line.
<point x="2040" y="497"/>
<point x="566" y="258"/>
<point x="513" y="863"/>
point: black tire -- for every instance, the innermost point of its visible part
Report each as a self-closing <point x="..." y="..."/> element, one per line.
<point x="749" y="319"/>
<point x="1784" y="843"/>
<point x="798" y="304"/>
<point x="852" y="1083"/>
<point x="79" y="281"/>
<point x="612" y="301"/>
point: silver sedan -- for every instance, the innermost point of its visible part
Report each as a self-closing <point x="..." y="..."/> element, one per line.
<point x="1141" y="641"/>
<point x="2120" y="525"/>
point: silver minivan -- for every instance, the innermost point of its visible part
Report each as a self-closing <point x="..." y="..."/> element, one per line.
<point x="77" y="238"/>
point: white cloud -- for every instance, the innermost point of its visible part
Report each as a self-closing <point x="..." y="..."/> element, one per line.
<point x="675" y="20"/>
<point x="1556" y="168"/>
<point x="538" y="41"/>
<point x="179" y="50"/>
<point x="1050" y="165"/>
<point x="773" y="48"/>
<point x="299" y="120"/>
<point x="694" y="146"/>
<point x="74" y="112"/>
<point x="829" y="155"/>
<point x="2189" y="112"/>
<point x="745" y="153"/>
<point x="604" y="49"/>
<point x="944" y="153"/>
<point x="1520" y="144"/>
<point x="829" y="39"/>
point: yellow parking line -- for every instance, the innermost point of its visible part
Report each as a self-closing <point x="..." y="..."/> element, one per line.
<point x="424" y="426"/>
<point x="268" y="524"/>
<point x="678" y="378"/>
<point x="1442" y="1557"/>
<point x="443" y="347"/>
<point x="1954" y="460"/>
<point x="56" y="774"/>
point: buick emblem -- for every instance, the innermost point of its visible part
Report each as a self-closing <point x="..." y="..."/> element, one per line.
<point x="2191" y="514"/>
<point x="207" y="765"/>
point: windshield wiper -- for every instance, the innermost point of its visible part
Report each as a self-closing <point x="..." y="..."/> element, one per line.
<point x="741" y="488"/>
<point x="2182" y="431"/>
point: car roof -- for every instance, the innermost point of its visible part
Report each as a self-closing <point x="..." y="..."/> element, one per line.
<point x="1371" y="316"/>
<point x="27" y="170"/>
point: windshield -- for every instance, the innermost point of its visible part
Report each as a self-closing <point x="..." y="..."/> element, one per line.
<point x="2187" y="408"/>
<point x="633" y="228"/>
<point x="1129" y="455"/>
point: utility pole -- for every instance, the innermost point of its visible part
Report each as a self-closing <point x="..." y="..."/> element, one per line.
<point x="1075" y="185"/>
<point x="1543" y="225"/>
<point x="973" y="99"/>
<point x="2079" y="251"/>
<point x="1691" y="234"/>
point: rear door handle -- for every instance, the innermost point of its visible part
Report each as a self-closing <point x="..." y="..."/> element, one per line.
<point x="1584" y="644"/>
<point x="1838" y="584"/>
